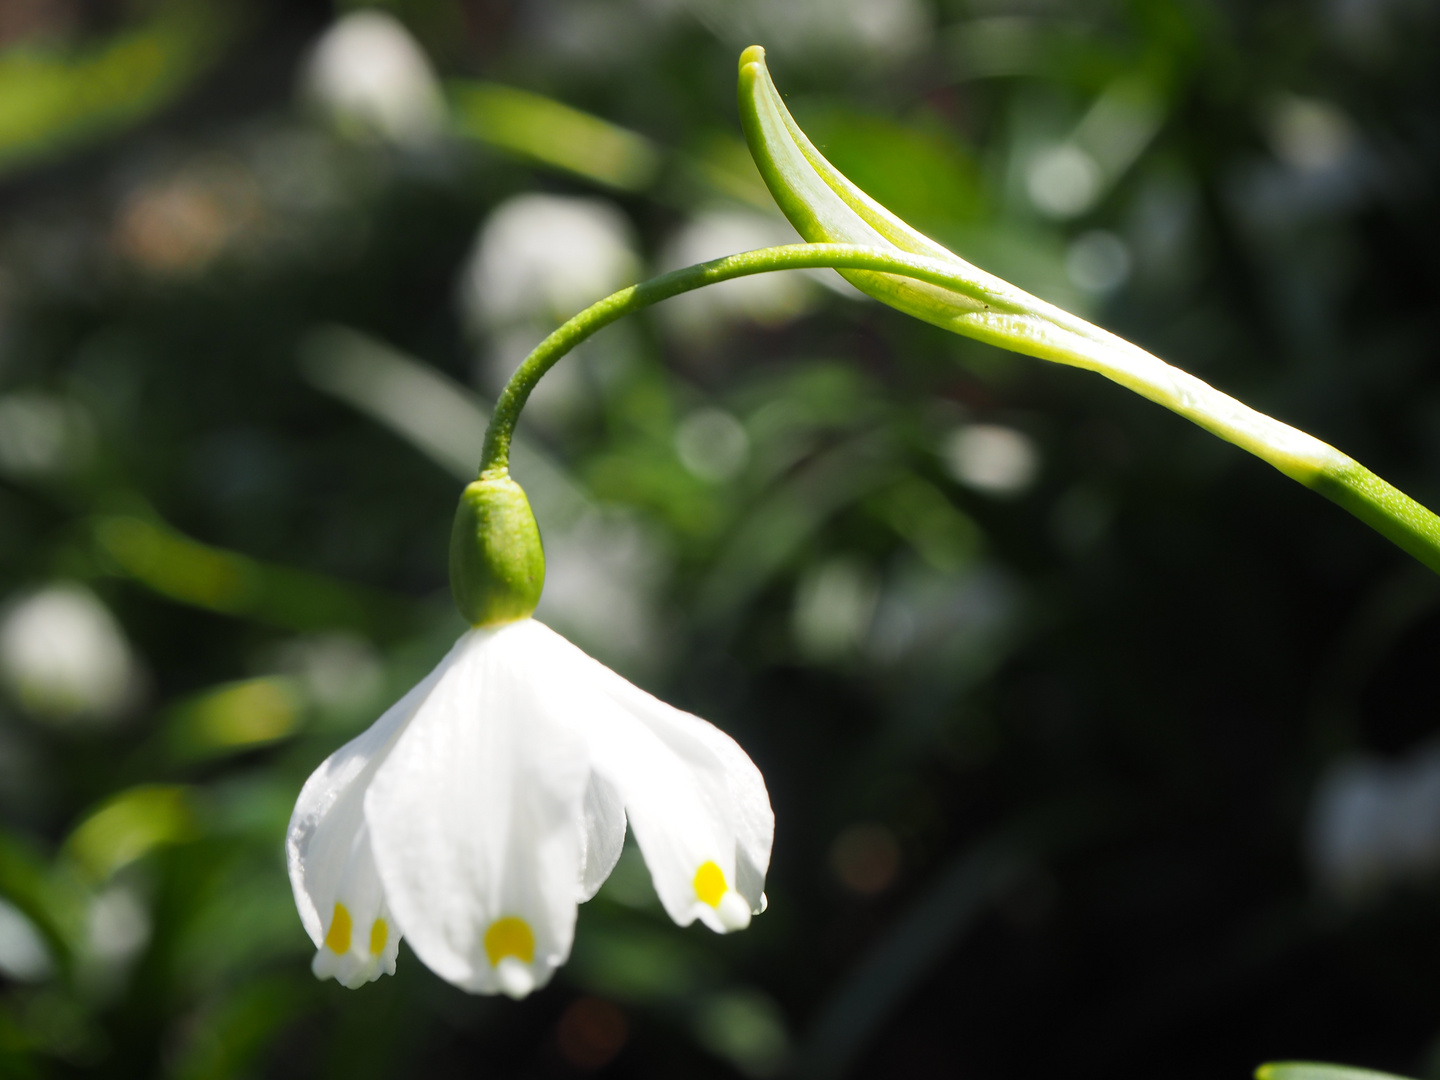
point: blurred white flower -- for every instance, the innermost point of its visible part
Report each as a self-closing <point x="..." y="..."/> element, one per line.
<point x="1097" y="262"/>
<point x="712" y="444"/>
<point x="768" y="299"/>
<point x="1063" y="181"/>
<point x="538" y="260"/>
<point x="368" y="74"/>
<point x="42" y="435"/>
<point x="956" y="625"/>
<point x="1372" y="822"/>
<point x="337" y="671"/>
<point x="64" y="658"/>
<point x="117" y="925"/>
<point x="543" y="258"/>
<point x="117" y="929"/>
<point x="1308" y="134"/>
<point x="24" y="955"/>
<point x="834" y="605"/>
<point x="1068" y="178"/>
<point x="600" y="579"/>
<point x="991" y="458"/>
<point x="478" y="812"/>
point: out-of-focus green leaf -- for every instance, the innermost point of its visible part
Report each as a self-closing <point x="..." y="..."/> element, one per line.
<point x="241" y="918"/>
<point x="431" y="411"/>
<point x="235" y="717"/>
<point x="50" y="901"/>
<point x="722" y="163"/>
<point x="441" y="418"/>
<point x="207" y="577"/>
<point x="131" y="825"/>
<point x="632" y="964"/>
<point x="746" y="1028"/>
<point x="57" y="1024"/>
<point x="236" y="1030"/>
<point x="776" y="529"/>
<point x="1314" y="1070"/>
<point x="942" y="535"/>
<point x="554" y="134"/>
<point x="52" y="98"/>
<point x="920" y="171"/>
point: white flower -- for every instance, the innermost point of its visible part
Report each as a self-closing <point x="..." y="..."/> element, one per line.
<point x="65" y="658"/>
<point x="492" y="799"/>
<point x="370" y="74"/>
<point x="541" y="258"/>
<point x="767" y="299"/>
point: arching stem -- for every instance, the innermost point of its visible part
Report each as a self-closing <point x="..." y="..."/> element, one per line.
<point x="998" y="313"/>
<point x="496" y="453"/>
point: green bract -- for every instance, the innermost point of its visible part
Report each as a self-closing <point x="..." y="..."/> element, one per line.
<point x="497" y="564"/>
<point x="825" y="207"/>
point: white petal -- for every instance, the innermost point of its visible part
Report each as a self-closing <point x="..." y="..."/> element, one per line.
<point x="327" y="849"/>
<point x="361" y="940"/>
<point x="475" y="818"/>
<point x="697" y="803"/>
<point x="602" y="833"/>
<point x="515" y="977"/>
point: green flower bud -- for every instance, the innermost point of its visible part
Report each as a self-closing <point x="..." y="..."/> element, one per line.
<point x="497" y="564"/>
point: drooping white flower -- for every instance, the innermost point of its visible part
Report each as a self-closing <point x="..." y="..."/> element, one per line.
<point x="492" y="799"/>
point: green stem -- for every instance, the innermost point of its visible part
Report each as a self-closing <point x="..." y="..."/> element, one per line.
<point x="1004" y="316"/>
<point x="496" y="453"/>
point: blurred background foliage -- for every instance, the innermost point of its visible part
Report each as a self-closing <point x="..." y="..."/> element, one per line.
<point x="1097" y="749"/>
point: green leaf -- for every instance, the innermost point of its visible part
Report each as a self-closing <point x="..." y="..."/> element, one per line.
<point x="827" y="208"/>
<point x="551" y="133"/>
<point x="1315" y="1070"/>
<point x="233" y="718"/>
<point x="131" y="825"/>
<point x="53" y="98"/>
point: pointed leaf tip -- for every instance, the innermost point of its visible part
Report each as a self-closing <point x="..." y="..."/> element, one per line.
<point x="826" y="207"/>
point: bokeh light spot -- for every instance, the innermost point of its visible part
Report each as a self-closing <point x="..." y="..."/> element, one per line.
<point x="591" y="1032"/>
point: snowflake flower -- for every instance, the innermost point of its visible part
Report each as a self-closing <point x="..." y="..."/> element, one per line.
<point x="488" y="802"/>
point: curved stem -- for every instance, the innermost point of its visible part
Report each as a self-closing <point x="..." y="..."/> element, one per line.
<point x="496" y="453"/>
<point x="988" y="309"/>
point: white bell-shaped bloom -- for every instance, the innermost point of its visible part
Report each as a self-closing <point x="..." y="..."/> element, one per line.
<point x="492" y="799"/>
<point x="369" y="75"/>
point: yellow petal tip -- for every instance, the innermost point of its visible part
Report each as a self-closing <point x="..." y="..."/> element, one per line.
<point x="509" y="936"/>
<point x="337" y="938"/>
<point x="710" y="884"/>
<point x="755" y="54"/>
